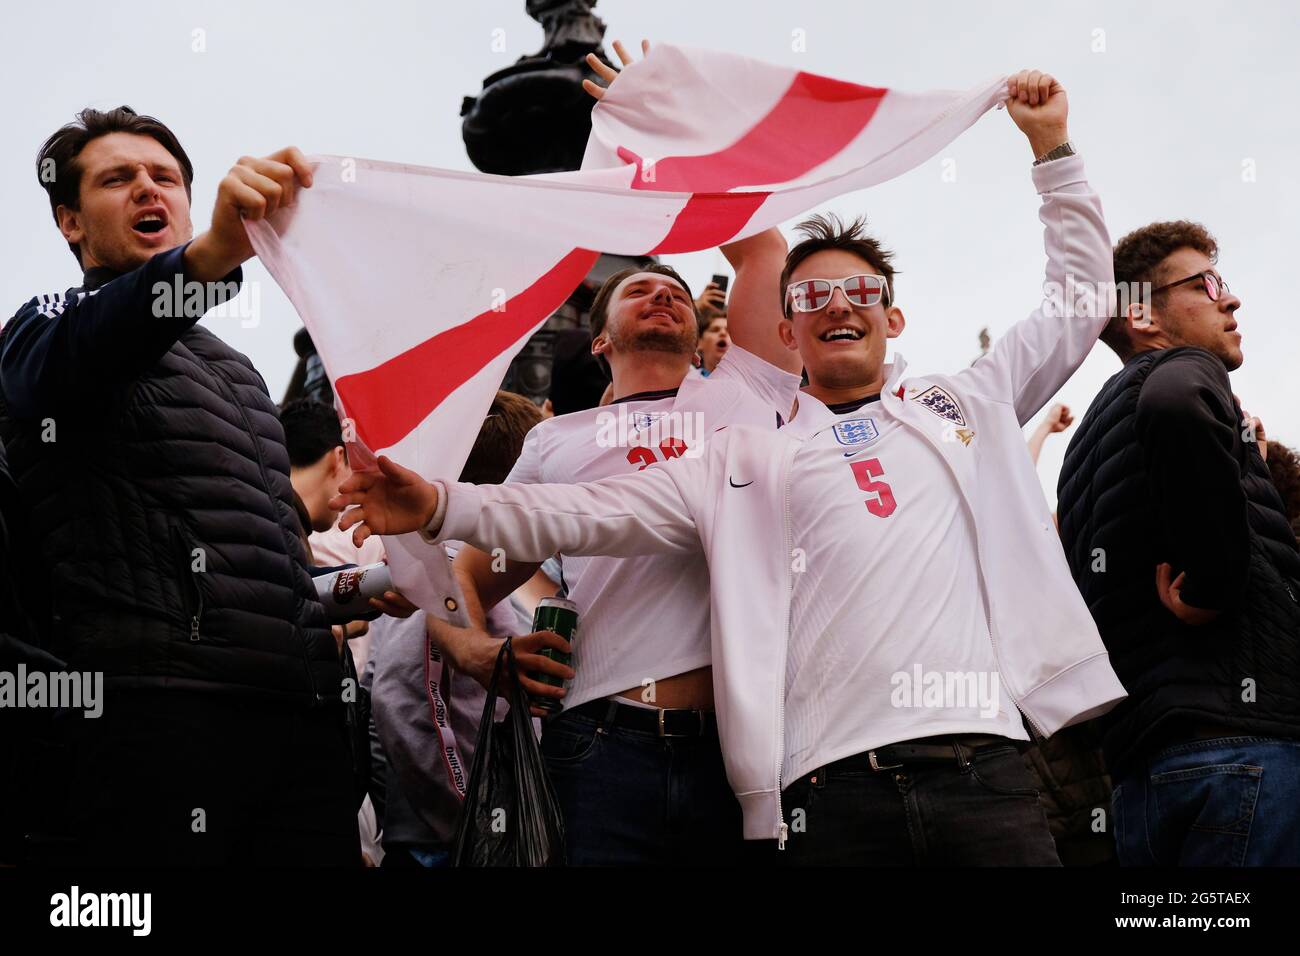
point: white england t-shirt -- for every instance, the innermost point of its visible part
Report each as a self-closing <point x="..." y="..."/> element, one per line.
<point x="643" y="619"/>
<point x="890" y="639"/>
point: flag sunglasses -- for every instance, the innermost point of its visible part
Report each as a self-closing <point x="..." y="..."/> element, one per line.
<point x="813" y="294"/>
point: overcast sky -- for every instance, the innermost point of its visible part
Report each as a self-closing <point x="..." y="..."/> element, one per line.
<point x="1182" y="110"/>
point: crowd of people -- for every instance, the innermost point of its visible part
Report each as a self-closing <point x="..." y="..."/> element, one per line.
<point x="827" y="615"/>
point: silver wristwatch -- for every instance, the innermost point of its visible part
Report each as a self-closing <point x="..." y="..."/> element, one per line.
<point x="1057" y="152"/>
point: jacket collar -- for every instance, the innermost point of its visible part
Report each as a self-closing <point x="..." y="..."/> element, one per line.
<point x="814" y="416"/>
<point x="97" y="276"/>
<point x="895" y="378"/>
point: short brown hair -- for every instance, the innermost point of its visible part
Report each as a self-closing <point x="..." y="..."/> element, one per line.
<point x="822" y="232"/>
<point x="1137" y="260"/>
<point x="1284" y="465"/>
<point x="706" y="317"/>
<point x="600" y="307"/>
<point x="66" y="144"/>
<point x="500" y="439"/>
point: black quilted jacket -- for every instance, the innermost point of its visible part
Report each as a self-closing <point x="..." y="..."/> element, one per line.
<point x="1160" y="471"/>
<point x="162" y="544"/>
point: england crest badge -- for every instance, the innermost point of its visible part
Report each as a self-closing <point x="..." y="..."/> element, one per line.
<point x="858" y="431"/>
<point x="641" y="421"/>
<point x="942" y="404"/>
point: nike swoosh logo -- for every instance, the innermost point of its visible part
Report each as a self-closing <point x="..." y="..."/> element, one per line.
<point x="734" y="485"/>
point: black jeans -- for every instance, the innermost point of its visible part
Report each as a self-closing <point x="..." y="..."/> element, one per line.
<point x="635" y="798"/>
<point x="183" y="778"/>
<point x="984" y="812"/>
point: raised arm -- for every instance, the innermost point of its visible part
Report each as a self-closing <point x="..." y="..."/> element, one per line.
<point x="1029" y="364"/>
<point x="754" y="309"/>
<point x="56" y="353"/>
<point x="754" y="306"/>
<point x="1058" y="419"/>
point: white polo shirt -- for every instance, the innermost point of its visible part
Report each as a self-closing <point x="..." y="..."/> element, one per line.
<point x="869" y="665"/>
<point x="642" y="619"/>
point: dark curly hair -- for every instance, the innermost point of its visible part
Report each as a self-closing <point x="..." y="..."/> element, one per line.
<point x="1137" y="259"/>
<point x="1284" y="466"/>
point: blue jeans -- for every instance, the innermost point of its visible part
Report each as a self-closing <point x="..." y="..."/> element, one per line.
<point x="634" y="798"/>
<point x="1234" y="801"/>
<point x="981" y="812"/>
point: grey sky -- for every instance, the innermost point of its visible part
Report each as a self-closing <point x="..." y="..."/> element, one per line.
<point x="1186" y="111"/>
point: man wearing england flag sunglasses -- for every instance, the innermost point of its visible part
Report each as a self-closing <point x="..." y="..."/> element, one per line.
<point x="889" y="597"/>
<point x="862" y="290"/>
<point x="907" y="588"/>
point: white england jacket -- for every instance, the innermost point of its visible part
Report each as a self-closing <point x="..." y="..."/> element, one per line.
<point x="734" y="501"/>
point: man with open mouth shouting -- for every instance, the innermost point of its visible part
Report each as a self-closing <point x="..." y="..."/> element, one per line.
<point x="152" y="468"/>
<point x="889" y="597"/>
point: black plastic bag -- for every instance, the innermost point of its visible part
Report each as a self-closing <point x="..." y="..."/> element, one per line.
<point x="510" y="816"/>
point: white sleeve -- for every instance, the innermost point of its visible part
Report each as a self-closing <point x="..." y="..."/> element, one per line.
<point x="527" y="469"/>
<point x="774" y="387"/>
<point x="641" y="513"/>
<point x="1030" y="363"/>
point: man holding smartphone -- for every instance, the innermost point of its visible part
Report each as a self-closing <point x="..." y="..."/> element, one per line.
<point x="714" y="341"/>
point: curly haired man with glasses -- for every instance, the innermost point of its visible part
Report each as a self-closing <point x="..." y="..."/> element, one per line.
<point x="1180" y="544"/>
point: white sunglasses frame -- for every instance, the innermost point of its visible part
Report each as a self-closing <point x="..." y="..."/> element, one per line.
<point x="839" y="284"/>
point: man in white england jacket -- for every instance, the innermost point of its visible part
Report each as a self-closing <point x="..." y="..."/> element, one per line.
<point x="634" y="757"/>
<point x="889" y="595"/>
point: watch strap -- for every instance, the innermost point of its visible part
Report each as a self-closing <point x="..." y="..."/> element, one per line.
<point x="1057" y="152"/>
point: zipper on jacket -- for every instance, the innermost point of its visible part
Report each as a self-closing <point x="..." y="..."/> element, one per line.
<point x="188" y="583"/>
<point x="317" y="697"/>
<point x="783" y="830"/>
<point x="198" y="615"/>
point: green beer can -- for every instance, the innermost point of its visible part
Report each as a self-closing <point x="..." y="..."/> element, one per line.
<point x="560" y="616"/>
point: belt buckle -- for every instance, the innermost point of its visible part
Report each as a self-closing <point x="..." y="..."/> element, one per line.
<point x="665" y="734"/>
<point x="871" y="759"/>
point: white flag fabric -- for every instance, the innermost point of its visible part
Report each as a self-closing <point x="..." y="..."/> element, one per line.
<point x="419" y="285"/>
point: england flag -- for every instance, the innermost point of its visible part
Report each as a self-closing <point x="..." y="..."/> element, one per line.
<point x="419" y="285"/>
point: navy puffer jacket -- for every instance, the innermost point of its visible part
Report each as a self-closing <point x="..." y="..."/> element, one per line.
<point x="164" y="548"/>
<point x="1160" y="471"/>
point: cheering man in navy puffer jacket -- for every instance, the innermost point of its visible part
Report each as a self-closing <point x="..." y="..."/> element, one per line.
<point x="152" y="472"/>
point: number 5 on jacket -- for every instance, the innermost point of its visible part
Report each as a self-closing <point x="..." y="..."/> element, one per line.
<point x="866" y="472"/>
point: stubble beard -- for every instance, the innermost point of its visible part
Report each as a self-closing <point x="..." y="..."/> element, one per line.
<point x="122" y="256"/>
<point x="654" y="340"/>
